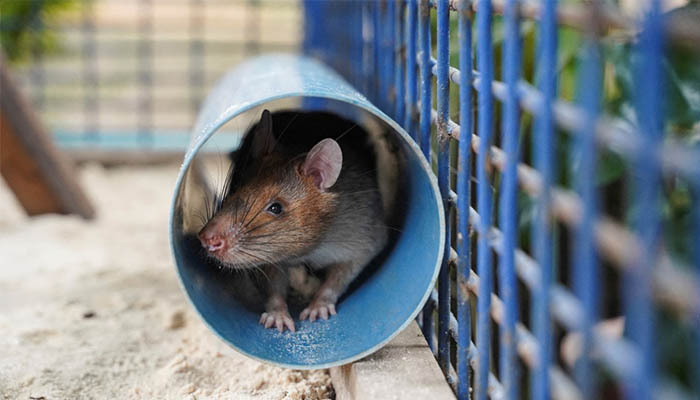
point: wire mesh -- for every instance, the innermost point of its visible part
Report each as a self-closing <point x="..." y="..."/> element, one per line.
<point x="557" y="283"/>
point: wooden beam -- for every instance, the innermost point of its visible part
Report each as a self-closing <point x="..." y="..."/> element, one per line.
<point x="42" y="179"/>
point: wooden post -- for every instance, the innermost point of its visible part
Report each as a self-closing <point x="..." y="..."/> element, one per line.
<point x="42" y="179"/>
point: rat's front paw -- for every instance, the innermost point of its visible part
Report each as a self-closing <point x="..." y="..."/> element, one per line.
<point x="277" y="319"/>
<point x="318" y="309"/>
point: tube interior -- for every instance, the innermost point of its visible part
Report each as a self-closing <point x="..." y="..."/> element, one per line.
<point x="385" y="297"/>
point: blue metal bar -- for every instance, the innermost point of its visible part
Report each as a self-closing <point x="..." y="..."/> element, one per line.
<point x="508" y="207"/>
<point x="464" y="199"/>
<point x="425" y="117"/>
<point x="390" y="54"/>
<point x="544" y="145"/>
<point x="376" y="39"/>
<point x="647" y="180"/>
<point x="386" y="72"/>
<point x="367" y="50"/>
<point x="426" y="76"/>
<point x="443" y="109"/>
<point x="400" y="56"/>
<point x="484" y="58"/>
<point x="585" y="260"/>
<point x="411" y="68"/>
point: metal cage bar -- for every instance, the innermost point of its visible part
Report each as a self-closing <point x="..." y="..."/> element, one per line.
<point x="484" y="57"/>
<point x="443" y="138"/>
<point x="508" y="202"/>
<point x="464" y="201"/>
<point x="543" y="145"/>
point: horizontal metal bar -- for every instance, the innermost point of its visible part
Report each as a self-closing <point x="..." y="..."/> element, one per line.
<point x="578" y="17"/>
<point x="616" y="243"/>
<point x="612" y="133"/>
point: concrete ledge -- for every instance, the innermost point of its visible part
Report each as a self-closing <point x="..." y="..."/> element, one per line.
<point x="404" y="369"/>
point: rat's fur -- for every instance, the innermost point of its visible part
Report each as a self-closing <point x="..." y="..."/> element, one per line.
<point x="340" y="228"/>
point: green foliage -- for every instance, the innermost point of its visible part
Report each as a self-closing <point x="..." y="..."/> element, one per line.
<point x="22" y="25"/>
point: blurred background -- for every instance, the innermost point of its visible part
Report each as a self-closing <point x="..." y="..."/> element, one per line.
<point x="130" y="74"/>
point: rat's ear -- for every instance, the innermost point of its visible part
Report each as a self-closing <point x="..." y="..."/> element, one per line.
<point x="323" y="163"/>
<point x="264" y="140"/>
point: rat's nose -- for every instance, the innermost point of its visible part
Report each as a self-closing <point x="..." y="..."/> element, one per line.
<point x="211" y="242"/>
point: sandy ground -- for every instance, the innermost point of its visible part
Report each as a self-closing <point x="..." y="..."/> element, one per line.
<point x="94" y="310"/>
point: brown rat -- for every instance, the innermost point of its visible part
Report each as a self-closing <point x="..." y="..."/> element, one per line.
<point x="309" y="200"/>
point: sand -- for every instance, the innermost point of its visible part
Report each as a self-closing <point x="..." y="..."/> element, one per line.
<point x="93" y="310"/>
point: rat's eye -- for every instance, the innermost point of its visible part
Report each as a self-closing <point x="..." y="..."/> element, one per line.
<point x="275" y="208"/>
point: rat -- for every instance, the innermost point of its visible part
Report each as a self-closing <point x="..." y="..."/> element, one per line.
<point x="309" y="200"/>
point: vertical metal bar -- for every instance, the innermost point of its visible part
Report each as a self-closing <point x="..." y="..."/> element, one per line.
<point x="367" y="50"/>
<point x="647" y="181"/>
<point x="357" y="44"/>
<point x="377" y="53"/>
<point x="390" y="55"/>
<point x="425" y="108"/>
<point x="485" y="125"/>
<point x="145" y="52"/>
<point x="585" y="260"/>
<point x="90" y="71"/>
<point x="381" y="58"/>
<point x="508" y="206"/>
<point x="400" y="57"/>
<point x="544" y="145"/>
<point x="411" y="68"/>
<point x="464" y="198"/>
<point x="425" y="76"/>
<point x="443" y="112"/>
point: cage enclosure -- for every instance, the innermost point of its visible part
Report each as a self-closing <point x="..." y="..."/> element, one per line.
<point x="390" y="294"/>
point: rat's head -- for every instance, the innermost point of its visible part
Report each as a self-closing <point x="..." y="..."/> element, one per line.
<point x="279" y="211"/>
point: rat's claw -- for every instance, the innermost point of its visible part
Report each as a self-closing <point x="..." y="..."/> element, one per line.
<point x="277" y="319"/>
<point x="318" y="311"/>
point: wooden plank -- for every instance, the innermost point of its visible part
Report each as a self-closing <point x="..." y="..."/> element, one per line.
<point x="403" y="369"/>
<point x="42" y="179"/>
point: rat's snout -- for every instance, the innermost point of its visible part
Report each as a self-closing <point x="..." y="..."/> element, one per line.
<point x="211" y="241"/>
<point x="214" y="236"/>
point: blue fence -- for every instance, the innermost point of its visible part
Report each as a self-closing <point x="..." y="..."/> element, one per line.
<point x="570" y="270"/>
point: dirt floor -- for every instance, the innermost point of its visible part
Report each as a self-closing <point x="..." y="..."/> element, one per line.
<point x="94" y="310"/>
